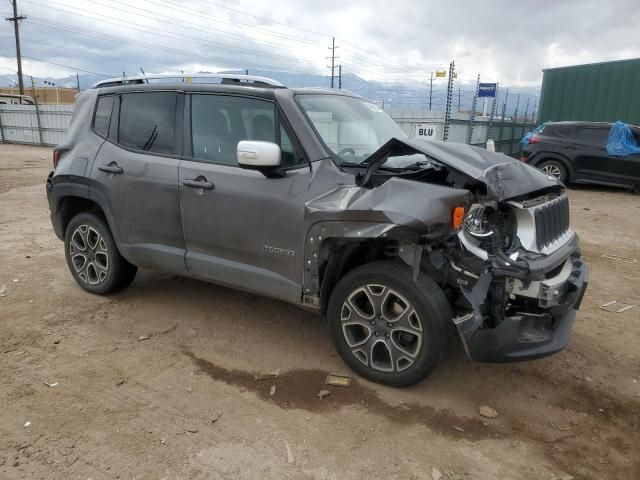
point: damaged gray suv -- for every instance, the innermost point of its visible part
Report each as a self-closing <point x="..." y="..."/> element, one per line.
<point x="316" y="197"/>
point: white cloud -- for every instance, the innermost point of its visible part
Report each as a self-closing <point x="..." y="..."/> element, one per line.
<point x="504" y="41"/>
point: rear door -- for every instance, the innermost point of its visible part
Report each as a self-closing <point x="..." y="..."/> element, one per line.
<point x="591" y="160"/>
<point x="241" y="228"/>
<point x="136" y="174"/>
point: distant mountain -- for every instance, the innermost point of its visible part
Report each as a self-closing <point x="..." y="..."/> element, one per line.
<point x="86" y="81"/>
<point x="406" y="96"/>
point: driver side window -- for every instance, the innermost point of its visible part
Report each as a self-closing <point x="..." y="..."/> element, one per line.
<point x="219" y="122"/>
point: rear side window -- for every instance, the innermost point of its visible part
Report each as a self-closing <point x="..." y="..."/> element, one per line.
<point x="147" y="121"/>
<point x="103" y="115"/>
<point x="593" y="135"/>
<point x="556" y="131"/>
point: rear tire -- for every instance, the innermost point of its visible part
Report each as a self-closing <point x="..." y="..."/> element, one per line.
<point x="555" y="168"/>
<point x="387" y="327"/>
<point x="93" y="258"/>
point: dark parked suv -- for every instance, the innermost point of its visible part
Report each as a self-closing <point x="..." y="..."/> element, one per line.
<point x="576" y="152"/>
<point x="316" y="197"/>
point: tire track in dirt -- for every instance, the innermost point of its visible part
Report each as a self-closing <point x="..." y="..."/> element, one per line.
<point x="573" y="449"/>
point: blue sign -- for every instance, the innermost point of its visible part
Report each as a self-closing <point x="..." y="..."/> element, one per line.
<point x="487" y="89"/>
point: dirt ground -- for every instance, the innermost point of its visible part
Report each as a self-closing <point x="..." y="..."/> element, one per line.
<point x="193" y="400"/>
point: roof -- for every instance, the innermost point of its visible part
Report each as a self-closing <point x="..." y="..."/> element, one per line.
<point x="261" y="92"/>
<point x="611" y="62"/>
<point x="259" y="86"/>
<point x="225" y="78"/>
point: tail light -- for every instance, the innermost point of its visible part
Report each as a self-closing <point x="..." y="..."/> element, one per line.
<point x="56" y="158"/>
<point x="534" y="139"/>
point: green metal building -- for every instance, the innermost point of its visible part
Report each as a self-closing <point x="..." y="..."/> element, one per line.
<point x="598" y="92"/>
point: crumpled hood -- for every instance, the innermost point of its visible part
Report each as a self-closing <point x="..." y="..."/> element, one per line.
<point x="504" y="177"/>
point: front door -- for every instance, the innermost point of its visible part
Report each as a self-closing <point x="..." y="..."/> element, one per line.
<point x="136" y="172"/>
<point x="241" y="228"/>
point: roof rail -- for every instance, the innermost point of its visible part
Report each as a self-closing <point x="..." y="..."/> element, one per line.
<point x="227" y="78"/>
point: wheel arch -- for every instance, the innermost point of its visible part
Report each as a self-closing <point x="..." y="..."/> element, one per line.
<point x="67" y="200"/>
<point x="335" y="248"/>
<point x="544" y="156"/>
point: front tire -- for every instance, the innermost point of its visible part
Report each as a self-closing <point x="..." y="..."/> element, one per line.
<point x="387" y="327"/>
<point x="93" y="258"/>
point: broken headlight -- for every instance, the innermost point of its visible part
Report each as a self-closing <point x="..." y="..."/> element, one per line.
<point x="477" y="224"/>
<point x="490" y="227"/>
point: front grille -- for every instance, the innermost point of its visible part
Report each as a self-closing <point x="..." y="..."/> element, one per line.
<point x="552" y="221"/>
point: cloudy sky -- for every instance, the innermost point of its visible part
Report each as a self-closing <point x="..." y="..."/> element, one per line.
<point x="506" y="41"/>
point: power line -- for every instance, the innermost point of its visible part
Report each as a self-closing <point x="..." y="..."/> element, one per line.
<point x="127" y="24"/>
<point x="63" y="66"/>
<point x="130" y="42"/>
<point x="208" y="28"/>
<point x="264" y="18"/>
<point x="400" y="68"/>
<point x="241" y="25"/>
<point x="62" y="47"/>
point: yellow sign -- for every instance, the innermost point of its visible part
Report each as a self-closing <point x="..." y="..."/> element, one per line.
<point x="441" y="74"/>
<point x="189" y="79"/>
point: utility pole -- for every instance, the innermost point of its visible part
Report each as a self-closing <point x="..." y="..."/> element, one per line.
<point x="16" y="28"/>
<point x="430" y="90"/>
<point x="504" y="113"/>
<point x="473" y="112"/>
<point x="333" y="60"/>
<point x="78" y="82"/>
<point x="514" y="122"/>
<point x="340" y="77"/>
<point x="494" y="106"/>
<point x="447" y="110"/>
<point x="534" y="113"/>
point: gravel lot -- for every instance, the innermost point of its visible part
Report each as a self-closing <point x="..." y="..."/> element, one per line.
<point x="193" y="400"/>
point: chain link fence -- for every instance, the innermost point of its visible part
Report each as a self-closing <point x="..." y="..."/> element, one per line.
<point x="34" y="124"/>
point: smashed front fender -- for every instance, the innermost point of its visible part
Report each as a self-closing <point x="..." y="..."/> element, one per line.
<point x="421" y="207"/>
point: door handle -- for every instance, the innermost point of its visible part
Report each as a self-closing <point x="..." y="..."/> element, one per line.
<point x="111" y="168"/>
<point x="198" y="184"/>
<point x="570" y="147"/>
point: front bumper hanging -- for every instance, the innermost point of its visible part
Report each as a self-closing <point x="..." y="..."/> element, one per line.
<point x="525" y="335"/>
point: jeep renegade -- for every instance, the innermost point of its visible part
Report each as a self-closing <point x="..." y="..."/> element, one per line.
<point x="316" y="197"/>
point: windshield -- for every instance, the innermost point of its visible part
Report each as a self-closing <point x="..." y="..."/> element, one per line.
<point x="351" y="127"/>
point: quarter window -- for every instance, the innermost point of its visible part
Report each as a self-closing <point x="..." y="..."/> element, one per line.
<point x="147" y="121"/>
<point x="103" y="115"/>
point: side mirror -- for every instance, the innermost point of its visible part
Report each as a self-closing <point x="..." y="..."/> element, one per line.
<point x="262" y="156"/>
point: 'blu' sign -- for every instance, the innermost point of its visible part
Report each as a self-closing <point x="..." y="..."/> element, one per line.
<point x="487" y="89"/>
